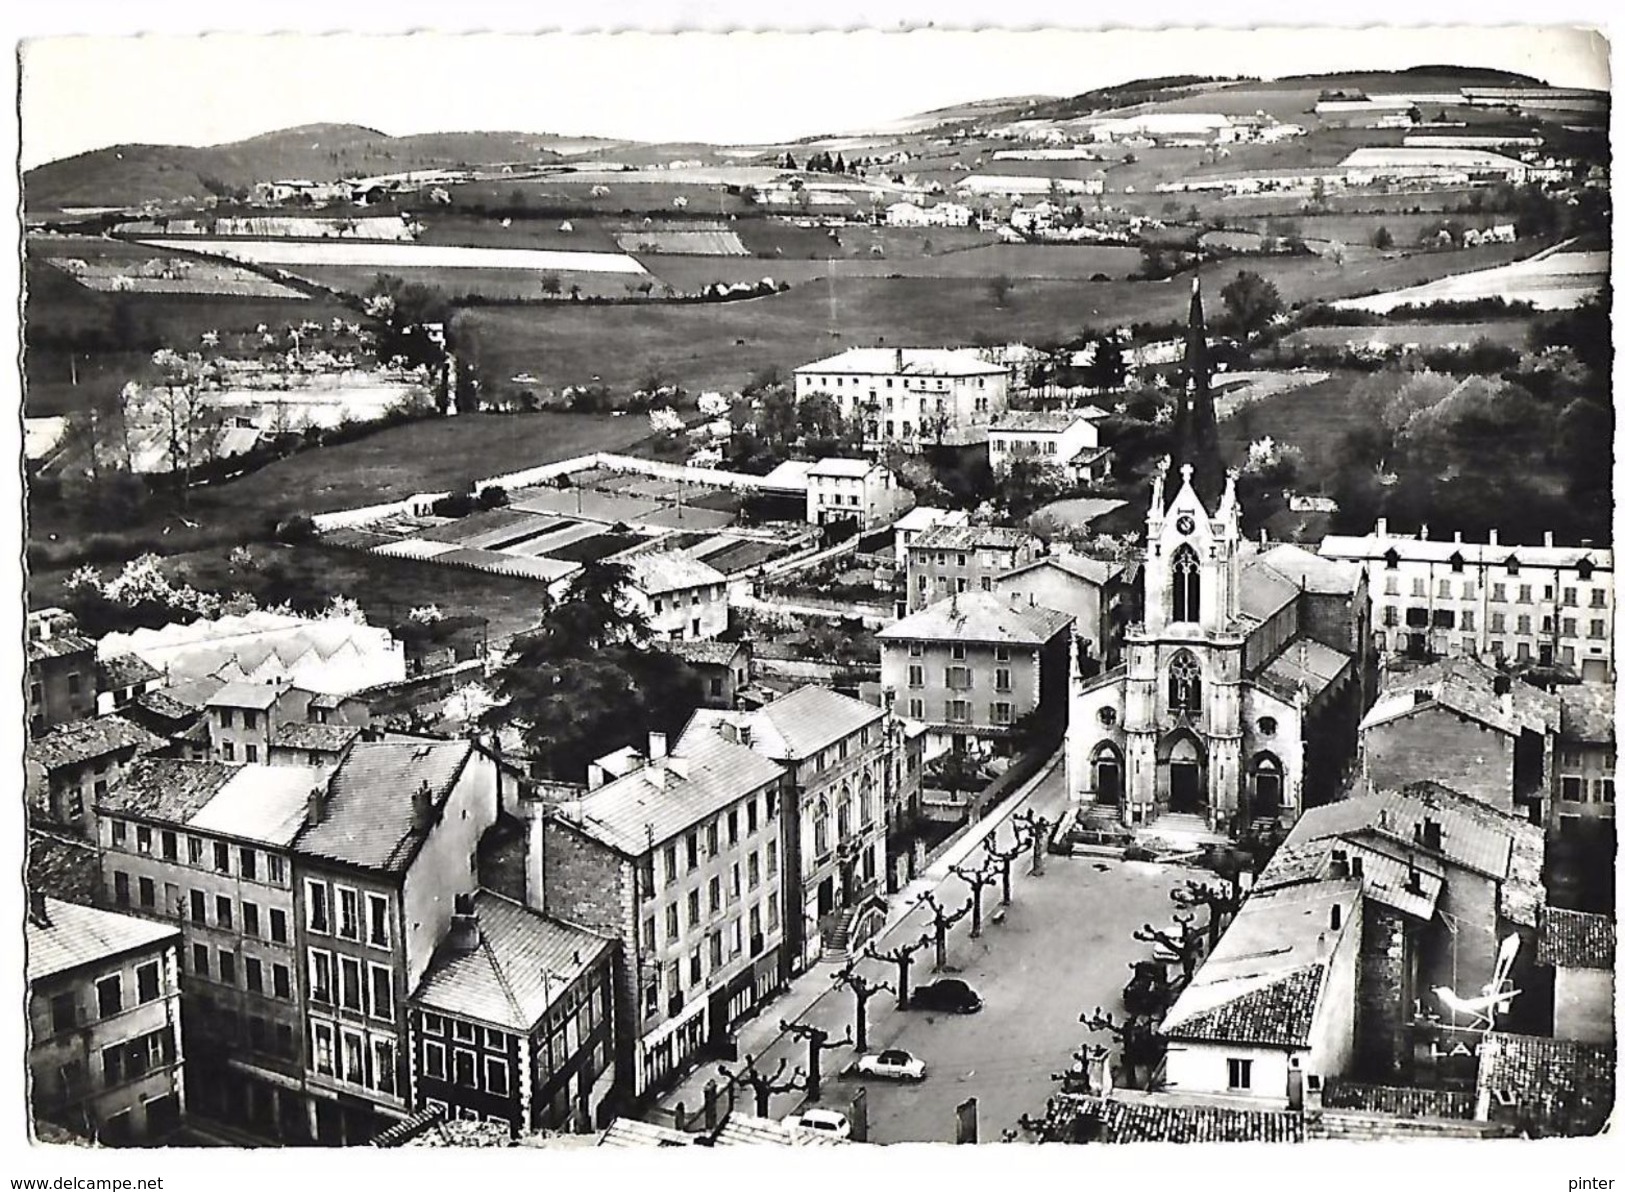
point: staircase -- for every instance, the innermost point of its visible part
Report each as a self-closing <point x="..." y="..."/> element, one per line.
<point x="1179" y="832"/>
<point x="836" y="928"/>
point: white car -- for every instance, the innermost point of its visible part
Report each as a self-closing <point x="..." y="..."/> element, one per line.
<point x="893" y="1064"/>
<point x="821" y="1121"/>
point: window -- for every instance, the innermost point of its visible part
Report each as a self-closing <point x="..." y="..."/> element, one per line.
<point x="695" y="973"/>
<point x="1599" y="598"/>
<point x="321" y="1039"/>
<point x="673" y="928"/>
<point x="917" y="649"/>
<point x="121" y="888"/>
<point x="916" y="676"/>
<point x="1498" y="592"/>
<point x="109" y="996"/>
<point x="1525" y="594"/>
<point x="1512" y="565"/>
<point x="716" y="950"/>
<point x="1571" y="627"/>
<point x="249" y="717"/>
<point x="350" y="984"/>
<point x="228" y="750"/>
<point x="958" y="710"/>
<point x="957" y="651"/>
<point x="1241" y="1073"/>
<point x="279" y="927"/>
<point x="1598" y="629"/>
<point x="226" y="717"/>
<point x="1001" y="679"/>
<point x="1523" y="623"/>
<point x="1419" y="586"/>
<point x="1187" y="586"/>
<point x="1444" y="589"/>
<point x="772" y="803"/>
<point x="1467" y="618"/>
<point x="146" y="983"/>
<point x="1184" y="684"/>
<point x="1498" y="622"/>
<point x="772" y="857"/>
<point x="198" y="904"/>
<point x="222" y="911"/>
<point x="753" y="870"/>
<point x="1571" y="597"/>
<point x="317" y="918"/>
<point x="251" y="919"/>
<point x="253" y="752"/>
<point x="253" y="975"/>
<point x="733" y="827"/>
<point x="916" y="709"/>
<point x="354" y="1062"/>
<point x="772" y="910"/>
<point x="496" y="1076"/>
<point x="118" y="833"/>
<point x="733" y="881"/>
<point x="957" y="678"/>
<point x="228" y="967"/>
<point x="378" y="920"/>
<point x="321" y="977"/>
<point x="281" y="981"/>
<point x="1468" y="591"/>
<point x="64" y="1013"/>
<point x="711" y="839"/>
<point x="1574" y="788"/>
<point x="248" y="864"/>
<point x="671" y="863"/>
<point x="1390" y="586"/>
<point x="200" y="960"/>
<point x="693" y="908"/>
<point x="1002" y="713"/>
<point x="713" y="900"/>
<point x="434" y="1060"/>
<point x="276" y="869"/>
<point x="349" y="913"/>
<point x="167" y="843"/>
<point x="194" y="850"/>
<point x="692" y="846"/>
<point x="113" y="1066"/>
<point x="383" y="992"/>
<point x="750" y="817"/>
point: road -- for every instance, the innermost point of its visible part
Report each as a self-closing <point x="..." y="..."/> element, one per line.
<point x="1063" y="947"/>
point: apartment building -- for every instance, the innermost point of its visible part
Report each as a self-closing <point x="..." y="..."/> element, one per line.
<point x="857" y="490"/>
<point x="206" y="847"/>
<point x="244" y="718"/>
<point x="682" y="598"/>
<point x="385" y="849"/>
<point x="842" y="789"/>
<point x="950" y="560"/>
<point x="678" y="860"/>
<point x="1095" y="592"/>
<point x="911" y="396"/>
<point x="66" y="769"/>
<point x="908" y="528"/>
<point x="1068" y="440"/>
<point x="105" y="1055"/>
<point x="61" y="670"/>
<point x="1548" y="606"/>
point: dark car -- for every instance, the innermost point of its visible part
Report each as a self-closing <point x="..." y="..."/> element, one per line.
<point x="951" y="996"/>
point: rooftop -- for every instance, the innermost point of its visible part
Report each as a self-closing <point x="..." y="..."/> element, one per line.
<point x="924" y="517"/>
<point x="1587" y="713"/>
<point x="1472" y="554"/>
<point x="246" y="695"/>
<point x="917" y="362"/>
<point x="76" y="935"/>
<point x="1150" y="1117"/>
<point x="796" y="725"/>
<point x="979" y="617"/>
<point x="629" y="1132"/>
<point x="81" y="741"/>
<point x="523" y="961"/>
<point x="858" y="468"/>
<point x="323" y="738"/>
<point x="1467" y="687"/>
<point x="1546" y="1087"/>
<point x="1094" y="571"/>
<point x="704" y="652"/>
<point x="58" y="645"/>
<point x="168" y="790"/>
<point x="65" y="867"/>
<point x="1575" y="939"/>
<point x="1310" y="571"/>
<point x="703" y="776"/>
<point x="369" y="817"/>
<point x="1043" y="421"/>
<point x="1305" y="665"/>
<point x="968" y="537"/>
<point x="670" y="571"/>
<point x="265" y="804"/>
<point x="1380" y="156"/>
<point x="125" y="670"/>
<point x="1383" y="878"/>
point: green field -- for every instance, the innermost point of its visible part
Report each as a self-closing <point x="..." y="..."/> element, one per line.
<point x="493" y="285"/>
<point x="586" y="235"/>
<point x="719" y="346"/>
<point x="1016" y="261"/>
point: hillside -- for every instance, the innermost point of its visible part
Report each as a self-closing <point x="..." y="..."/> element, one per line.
<point x="123" y="175"/>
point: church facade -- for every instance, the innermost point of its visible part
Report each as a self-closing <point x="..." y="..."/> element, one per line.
<point x="1240" y="695"/>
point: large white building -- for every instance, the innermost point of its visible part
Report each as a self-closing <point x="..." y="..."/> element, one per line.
<point x="911" y="396"/>
<point x="1398" y="164"/>
<point x="941" y="215"/>
<point x="1545" y="605"/>
<point x="857" y="490"/>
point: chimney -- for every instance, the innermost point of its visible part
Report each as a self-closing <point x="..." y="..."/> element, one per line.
<point x="1458" y="536"/>
<point x="745" y="735"/>
<point x="1337" y="916"/>
<point x="1413" y="878"/>
<point x="464" y="932"/>
<point x="898" y="360"/>
<point x="1382" y="527"/>
<point x="1503" y="683"/>
<point x="656" y="776"/>
<point x="1495" y="537"/>
<point x="1424" y="534"/>
<point x="657" y="746"/>
<point x="1339" y="867"/>
<point x="422" y="807"/>
<point x="595" y="776"/>
<point x="37" y="914"/>
<point x="315" y="806"/>
<point x="1357" y="867"/>
<point x="1099" y="1069"/>
<point x="1548" y="538"/>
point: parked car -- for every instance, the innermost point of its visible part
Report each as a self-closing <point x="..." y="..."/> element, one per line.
<point x="950" y="995"/>
<point x="821" y="1121"/>
<point x="892" y="1064"/>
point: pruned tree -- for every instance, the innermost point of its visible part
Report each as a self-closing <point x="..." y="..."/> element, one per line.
<point x="902" y="955"/>
<point x="1186" y="947"/>
<point x="762" y="1086"/>
<point x="190" y="421"/>
<point x="1035" y="830"/>
<point x="1222" y="903"/>
<point x="862" y="990"/>
<point x="941" y="921"/>
<point x="978" y="880"/>
<point x="818" y="1042"/>
<point x="1001" y="859"/>
<point x="1141" y="1043"/>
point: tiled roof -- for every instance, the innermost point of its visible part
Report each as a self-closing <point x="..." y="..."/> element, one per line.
<point x="979" y="617"/>
<point x="968" y="537"/>
<point x="1279" y="1014"/>
<point x="1466" y="686"/>
<point x="193" y="692"/>
<point x="1546" y="1087"/>
<point x="631" y="1132"/>
<point x="328" y="738"/>
<point x="1080" y="511"/>
<point x="1310" y="571"/>
<point x="923" y="517"/>
<point x="161" y="706"/>
<point x="84" y="935"/>
<point x="58" y="645"/>
<point x="1588" y="713"/>
<point x="812" y="718"/>
<point x="701" y="777"/>
<point x="1040" y="421"/>
<point x="84" y="740"/>
<point x="125" y="670"/>
<point x="246" y="695"/>
<point x="64" y="867"/>
<point x="1575" y="939"/>
<point x="671" y="571"/>
<point x="265" y="804"/>
<point x="704" y="652"/>
<point x="916" y="362"/>
<point x="1473" y="554"/>
<point x="1094" y="571"/>
<point x="1304" y="665"/>
<point x="369" y="819"/>
<point x="851" y="468"/>
<point x="1383" y="877"/>
<point x="1148" y="1118"/>
<point x="165" y="789"/>
<point x="1263" y="591"/>
<point x="522" y="963"/>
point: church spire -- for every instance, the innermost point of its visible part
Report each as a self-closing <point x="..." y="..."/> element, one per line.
<point x="1196" y="427"/>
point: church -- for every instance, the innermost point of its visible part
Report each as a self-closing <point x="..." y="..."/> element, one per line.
<point x="1242" y="688"/>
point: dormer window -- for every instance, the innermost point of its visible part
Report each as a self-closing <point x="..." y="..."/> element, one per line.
<point x="1457" y="562"/>
<point x="1512" y="564"/>
<point x="1391" y="559"/>
<point x="1585" y="568"/>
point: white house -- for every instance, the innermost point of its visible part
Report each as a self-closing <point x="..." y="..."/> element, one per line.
<point x="910" y="396"/>
<point x="683" y="598"/>
<point x="853" y="489"/>
<point x="942" y="215"/>
<point x="1065" y="439"/>
<point x="919" y="520"/>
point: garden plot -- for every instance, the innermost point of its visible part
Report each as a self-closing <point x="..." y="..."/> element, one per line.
<point x="372" y="227"/>
<point x="705" y="242"/>
<point x="1555" y="281"/>
<point x="171" y="275"/>
<point x="385" y="255"/>
<point x="546" y="543"/>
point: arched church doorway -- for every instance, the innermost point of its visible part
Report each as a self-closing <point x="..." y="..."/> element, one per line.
<point x="1108" y="767"/>
<point x="1187" y="788"/>
<point x="1266" y="787"/>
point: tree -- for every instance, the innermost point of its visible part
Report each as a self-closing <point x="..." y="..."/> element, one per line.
<point x="941" y="921"/>
<point x="765" y="1087"/>
<point x="862" y="990"/>
<point x="1142" y="1044"/>
<point x="902" y="955"/>
<point x="1186" y="947"/>
<point x="1002" y="858"/>
<point x="1382" y="239"/>
<point x="998" y="289"/>
<point x="190" y="421"/>
<point x="978" y="880"/>
<point x="1107" y="368"/>
<point x="818" y="1042"/>
<point x="1035" y="830"/>
<point x="1252" y="301"/>
<point x="1222" y="903"/>
<point x="551" y="284"/>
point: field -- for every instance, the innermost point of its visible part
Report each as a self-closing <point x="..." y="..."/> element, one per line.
<point x="1016" y="261"/>
<point x="705" y="242"/>
<point x="1354" y="230"/>
<point x="1554" y="281"/>
<point x="496" y="285"/>
<point x="1511" y="332"/>
<point x="298" y="227"/>
<point x="385" y="255"/>
<point x="718" y="347"/>
<point x="565" y="193"/>
<point x="171" y="275"/>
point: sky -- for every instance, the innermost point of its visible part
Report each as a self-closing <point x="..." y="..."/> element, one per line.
<point x="80" y="93"/>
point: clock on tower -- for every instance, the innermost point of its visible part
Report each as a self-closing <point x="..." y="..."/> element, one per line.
<point x="1185" y="524"/>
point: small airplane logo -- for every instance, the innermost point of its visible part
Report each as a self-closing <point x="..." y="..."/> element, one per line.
<point x="1495" y="997"/>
